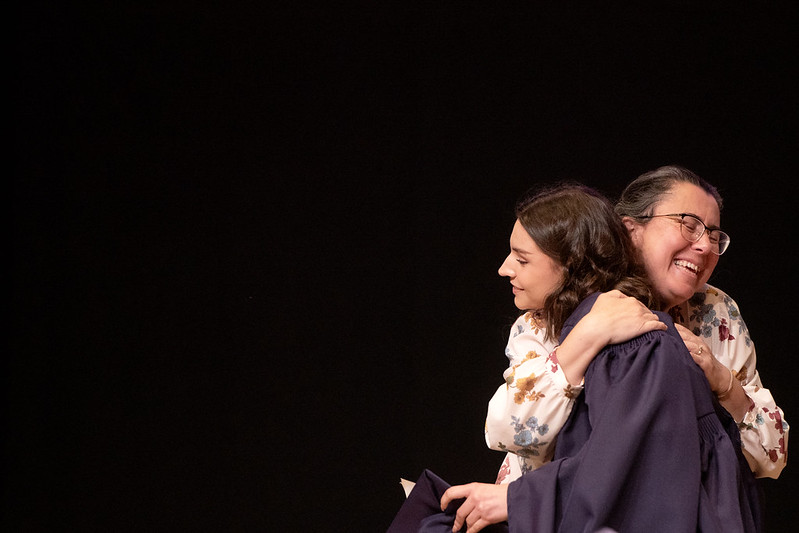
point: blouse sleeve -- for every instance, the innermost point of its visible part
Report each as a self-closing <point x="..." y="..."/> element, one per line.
<point x="527" y="412"/>
<point x="714" y="316"/>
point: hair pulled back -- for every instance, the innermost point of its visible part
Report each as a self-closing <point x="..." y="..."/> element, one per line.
<point x="648" y="189"/>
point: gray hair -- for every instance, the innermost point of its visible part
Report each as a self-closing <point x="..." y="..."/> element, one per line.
<point x="649" y="188"/>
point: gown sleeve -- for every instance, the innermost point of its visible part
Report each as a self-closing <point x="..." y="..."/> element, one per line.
<point x="527" y="412"/>
<point x="712" y="315"/>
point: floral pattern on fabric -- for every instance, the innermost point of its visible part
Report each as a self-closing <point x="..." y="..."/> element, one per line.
<point x="510" y="376"/>
<point x="526" y="443"/>
<point x="532" y="375"/>
<point x="526" y="434"/>
<point x="504" y="471"/>
<point x="712" y="315"/>
<point x="536" y="325"/>
<point x="571" y="392"/>
<point x="702" y="317"/>
<point x="527" y="390"/>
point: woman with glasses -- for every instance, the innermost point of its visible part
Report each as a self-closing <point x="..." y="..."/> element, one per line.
<point x="673" y="217"/>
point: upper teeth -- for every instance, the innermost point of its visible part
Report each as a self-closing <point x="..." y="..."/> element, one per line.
<point x="687" y="265"/>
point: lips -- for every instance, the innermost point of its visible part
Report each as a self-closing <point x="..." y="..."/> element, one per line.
<point x="688" y="265"/>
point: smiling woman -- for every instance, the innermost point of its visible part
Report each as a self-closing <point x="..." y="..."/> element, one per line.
<point x="677" y="265"/>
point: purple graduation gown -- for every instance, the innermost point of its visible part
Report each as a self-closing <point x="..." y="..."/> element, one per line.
<point x="646" y="448"/>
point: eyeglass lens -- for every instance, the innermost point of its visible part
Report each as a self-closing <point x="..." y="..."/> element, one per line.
<point x="693" y="229"/>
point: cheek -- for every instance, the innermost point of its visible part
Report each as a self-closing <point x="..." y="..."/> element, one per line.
<point x="653" y="257"/>
<point x="532" y="290"/>
<point x="657" y="265"/>
<point x="660" y="252"/>
<point x="710" y="266"/>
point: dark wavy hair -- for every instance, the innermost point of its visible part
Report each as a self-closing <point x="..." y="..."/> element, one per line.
<point x="577" y="227"/>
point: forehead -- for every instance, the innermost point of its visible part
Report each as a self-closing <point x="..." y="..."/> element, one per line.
<point x="689" y="198"/>
<point x="519" y="231"/>
<point x="519" y="238"/>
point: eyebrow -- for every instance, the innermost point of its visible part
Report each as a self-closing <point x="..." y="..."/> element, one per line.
<point x="711" y="228"/>
<point x="520" y="251"/>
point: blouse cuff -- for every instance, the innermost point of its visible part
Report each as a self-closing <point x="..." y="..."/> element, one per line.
<point x="558" y="376"/>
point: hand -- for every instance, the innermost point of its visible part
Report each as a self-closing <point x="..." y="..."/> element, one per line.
<point x="718" y="375"/>
<point x="485" y="504"/>
<point x="621" y="318"/>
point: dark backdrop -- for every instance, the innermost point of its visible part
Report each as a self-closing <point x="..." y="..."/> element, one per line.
<point x="254" y="248"/>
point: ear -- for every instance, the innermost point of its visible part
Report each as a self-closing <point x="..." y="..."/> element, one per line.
<point x="633" y="226"/>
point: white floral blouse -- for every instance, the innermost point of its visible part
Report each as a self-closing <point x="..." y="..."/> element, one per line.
<point x="526" y="414"/>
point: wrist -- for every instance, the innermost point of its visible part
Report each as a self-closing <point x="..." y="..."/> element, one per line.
<point x="574" y="356"/>
<point x="589" y="335"/>
<point x="725" y="392"/>
<point x="593" y="330"/>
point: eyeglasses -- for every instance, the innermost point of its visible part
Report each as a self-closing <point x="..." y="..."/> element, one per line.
<point x="692" y="230"/>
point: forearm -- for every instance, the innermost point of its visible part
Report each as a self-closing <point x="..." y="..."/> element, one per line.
<point x="579" y="349"/>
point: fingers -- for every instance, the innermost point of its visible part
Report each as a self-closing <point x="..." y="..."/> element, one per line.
<point x="454" y="493"/>
<point x="655" y="323"/>
<point x="448" y="496"/>
<point x="462" y="515"/>
<point x="469" y="515"/>
<point x="695" y="345"/>
<point x="700" y="352"/>
<point x="477" y="526"/>
<point x="484" y="504"/>
<point x="686" y="334"/>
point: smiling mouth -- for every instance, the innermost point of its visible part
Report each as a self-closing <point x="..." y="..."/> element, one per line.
<point x="687" y="265"/>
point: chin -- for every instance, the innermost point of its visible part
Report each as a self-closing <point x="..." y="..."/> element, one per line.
<point x="681" y="298"/>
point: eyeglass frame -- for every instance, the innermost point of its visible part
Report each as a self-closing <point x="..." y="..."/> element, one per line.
<point x="705" y="229"/>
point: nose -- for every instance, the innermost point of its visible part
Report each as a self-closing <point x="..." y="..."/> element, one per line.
<point x="703" y="244"/>
<point x="505" y="269"/>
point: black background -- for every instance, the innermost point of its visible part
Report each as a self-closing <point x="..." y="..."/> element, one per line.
<point x="255" y="247"/>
